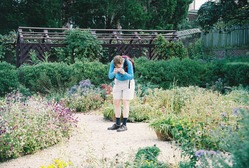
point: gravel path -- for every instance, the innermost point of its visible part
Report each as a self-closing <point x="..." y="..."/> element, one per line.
<point x="92" y="144"/>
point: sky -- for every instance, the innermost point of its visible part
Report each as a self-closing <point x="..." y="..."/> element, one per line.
<point x="198" y="3"/>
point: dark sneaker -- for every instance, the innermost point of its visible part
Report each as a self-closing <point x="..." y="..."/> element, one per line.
<point x="122" y="128"/>
<point x="114" y="127"/>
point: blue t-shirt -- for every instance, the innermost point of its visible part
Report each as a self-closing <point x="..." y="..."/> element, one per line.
<point x="127" y="76"/>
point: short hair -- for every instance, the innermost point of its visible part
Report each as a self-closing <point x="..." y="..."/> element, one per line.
<point x="118" y="60"/>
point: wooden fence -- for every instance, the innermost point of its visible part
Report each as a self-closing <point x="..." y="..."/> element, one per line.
<point x="235" y="37"/>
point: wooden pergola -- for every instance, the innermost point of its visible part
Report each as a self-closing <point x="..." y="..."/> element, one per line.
<point x="117" y="41"/>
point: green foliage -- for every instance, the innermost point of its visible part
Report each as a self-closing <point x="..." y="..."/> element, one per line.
<point x="147" y="158"/>
<point x="166" y="73"/>
<point x="46" y="77"/>
<point x="83" y="97"/>
<point x="223" y="14"/>
<point x="198" y="118"/>
<point x="51" y="77"/>
<point x="82" y="44"/>
<point x="167" y="14"/>
<point x="9" y="78"/>
<point x="163" y="128"/>
<point x="187" y="24"/>
<point x="196" y="50"/>
<point x="189" y="72"/>
<point x="7" y="47"/>
<point x="30" y="124"/>
<point x="237" y="146"/>
<point x="142" y="108"/>
<point x="95" y="71"/>
<point x="166" y="50"/>
<point x="142" y="112"/>
<point x="104" y="14"/>
<point x="108" y="111"/>
<point x="208" y="15"/>
<point x="139" y="112"/>
<point x="232" y="72"/>
<point x="57" y="77"/>
<point x="236" y="73"/>
<point x="30" y="13"/>
<point x="239" y="142"/>
<point x="149" y="153"/>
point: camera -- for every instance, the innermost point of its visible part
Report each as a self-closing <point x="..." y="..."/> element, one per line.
<point x="119" y="69"/>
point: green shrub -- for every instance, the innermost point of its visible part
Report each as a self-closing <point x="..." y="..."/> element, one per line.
<point x="187" y="72"/>
<point x="166" y="50"/>
<point x="236" y="73"/>
<point x="8" y="79"/>
<point x="58" y="77"/>
<point x="7" y="47"/>
<point x="108" y="111"/>
<point x="95" y="71"/>
<point x="147" y="158"/>
<point x="232" y="72"/>
<point x="30" y="124"/>
<point x="195" y="50"/>
<point x="82" y="44"/>
<point x="46" y="77"/>
<point x="165" y="73"/>
<point x="163" y="128"/>
<point x="142" y="112"/>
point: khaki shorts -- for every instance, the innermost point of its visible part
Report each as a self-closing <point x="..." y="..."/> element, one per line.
<point x="123" y="89"/>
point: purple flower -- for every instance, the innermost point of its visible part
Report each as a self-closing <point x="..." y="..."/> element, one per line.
<point x="200" y="153"/>
<point x="236" y="111"/>
<point x="212" y="153"/>
<point x="224" y="114"/>
<point x="85" y="83"/>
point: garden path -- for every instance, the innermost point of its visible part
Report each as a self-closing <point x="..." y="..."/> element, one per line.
<point x="92" y="144"/>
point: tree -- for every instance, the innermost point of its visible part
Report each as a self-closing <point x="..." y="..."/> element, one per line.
<point x="223" y="14"/>
<point x="10" y="16"/>
<point x="105" y="14"/>
<point x="40" y="13"/>
<point x="130" y="14"/>
<point x="108" y="13"/>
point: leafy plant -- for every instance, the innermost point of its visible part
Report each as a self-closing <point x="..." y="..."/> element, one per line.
<point x="196" y="50"/>
<point x="28" y="124"/>
<point x="237" y="147"/>
<point x="7" y="49"/>
<point x="163" y="128"/>
<point x="84" y="97"/>
<point x="147" y="158"/>
<point x="50" y="77"/>
<point x="82" y="44"/>
<point x="9" y="78"/>
<point x="202" y="120"/>
<point x="166" y="50"/>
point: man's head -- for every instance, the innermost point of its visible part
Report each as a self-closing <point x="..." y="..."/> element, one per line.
<point x="118" y="61"/>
